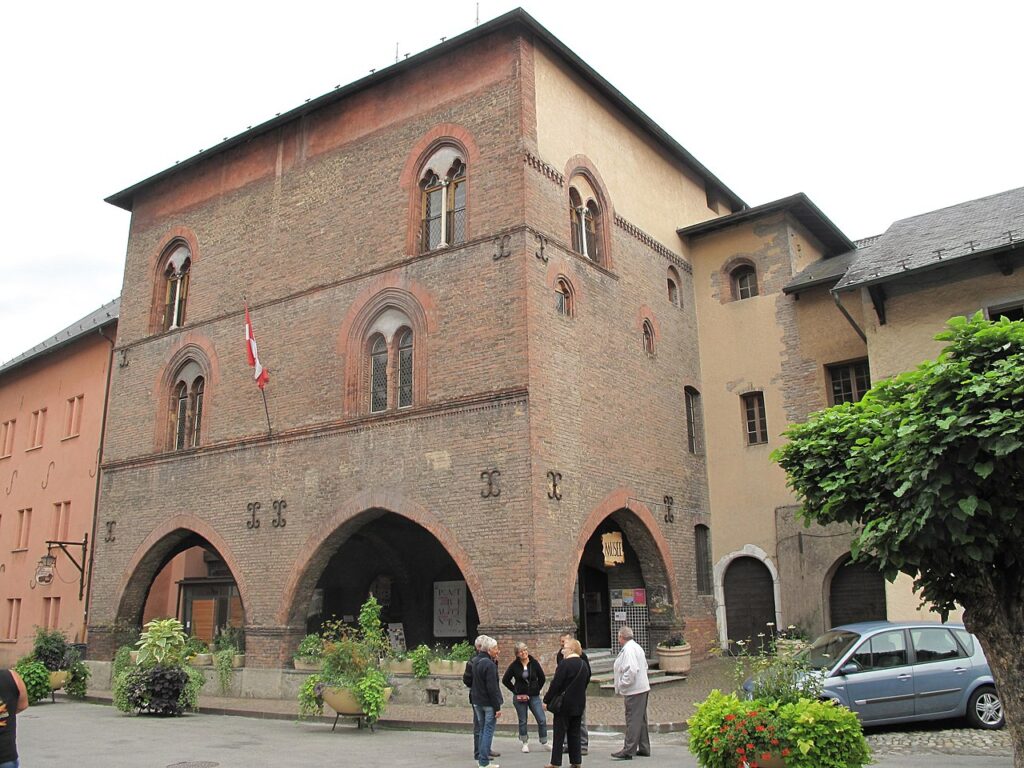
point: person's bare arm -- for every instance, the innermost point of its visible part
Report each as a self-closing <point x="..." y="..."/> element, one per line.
<point x="22" y="693"/>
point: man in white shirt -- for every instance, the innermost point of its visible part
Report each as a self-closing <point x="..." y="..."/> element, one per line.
<point x="631" y="683"/>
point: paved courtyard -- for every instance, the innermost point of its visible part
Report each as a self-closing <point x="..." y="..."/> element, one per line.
<point x="96" y="736"/>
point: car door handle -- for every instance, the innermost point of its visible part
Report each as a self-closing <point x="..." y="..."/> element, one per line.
<point x="959" y="670"/>
<point x="904" y="676"/>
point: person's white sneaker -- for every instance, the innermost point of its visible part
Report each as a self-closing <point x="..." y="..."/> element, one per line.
<point x="526" y="747"/>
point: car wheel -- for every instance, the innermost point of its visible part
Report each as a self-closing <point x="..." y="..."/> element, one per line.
<point x="985" y="710"/>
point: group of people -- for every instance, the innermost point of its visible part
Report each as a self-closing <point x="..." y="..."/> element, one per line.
<point x="566" y="698"/>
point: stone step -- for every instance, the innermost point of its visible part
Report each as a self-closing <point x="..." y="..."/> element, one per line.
<point x="608" y="688"/>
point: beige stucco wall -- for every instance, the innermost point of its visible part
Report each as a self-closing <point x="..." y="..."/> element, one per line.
<point x="647" y="186"/>
<point x="918" y="308"/>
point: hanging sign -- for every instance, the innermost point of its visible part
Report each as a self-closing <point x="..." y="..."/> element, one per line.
<point x="611" y="545"/>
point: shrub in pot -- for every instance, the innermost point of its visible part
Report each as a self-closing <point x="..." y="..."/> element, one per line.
<point x="352" y="662"/>
<point x="36" y="677"/>
<point x="160" y="682"/>
<point x="674" y="654"/>
<point x="310" y="653"/>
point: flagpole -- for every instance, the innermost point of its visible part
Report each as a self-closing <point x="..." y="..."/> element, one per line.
<point x="266" y="410"/>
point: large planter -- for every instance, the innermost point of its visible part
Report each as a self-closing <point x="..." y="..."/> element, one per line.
<point x="674" y="659"/>
<point x="238" y="660"/>
<point x="308" y="665"/>
<point x="445" y="668"/>
<point x="58" y="678"/>
<point x="345" y="702"/>
<point x="403" y="667"/>
<point x="201" y="660"/>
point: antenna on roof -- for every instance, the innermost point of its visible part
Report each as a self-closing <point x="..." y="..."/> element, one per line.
<point x="478" y="14"/>
<point x="396" y="53"/>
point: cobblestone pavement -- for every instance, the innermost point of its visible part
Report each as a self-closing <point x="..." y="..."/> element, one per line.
<point x="668" y="709"/>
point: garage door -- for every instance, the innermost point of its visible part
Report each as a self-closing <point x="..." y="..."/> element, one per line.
<point x="749" y="600"/>
<point x="857" y="593"/>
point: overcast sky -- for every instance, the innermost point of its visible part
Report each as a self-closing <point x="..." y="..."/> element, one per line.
<point x="877" y="110"/>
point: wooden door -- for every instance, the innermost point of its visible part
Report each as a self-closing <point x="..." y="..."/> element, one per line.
<point x="749" y="601"/>
<point x="857" y="593"/>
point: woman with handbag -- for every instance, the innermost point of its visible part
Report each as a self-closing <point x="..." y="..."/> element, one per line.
<point x="566" y="699"/>
<point x="525" y="677"/>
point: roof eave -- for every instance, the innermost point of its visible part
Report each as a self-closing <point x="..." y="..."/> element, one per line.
<point x="125" y="198"/>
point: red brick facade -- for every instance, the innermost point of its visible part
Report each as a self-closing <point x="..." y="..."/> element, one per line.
<point x="315" y="224"/>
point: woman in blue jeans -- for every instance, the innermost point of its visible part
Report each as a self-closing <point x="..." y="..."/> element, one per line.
<point x="525" y="677"/>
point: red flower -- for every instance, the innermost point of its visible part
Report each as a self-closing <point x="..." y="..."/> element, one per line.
<point x="759" y="728"/>
<point x="730" y="717"/>
<point x="775" y="742"/>
<point x="766" y="756"/>
<point x="785" y="751"/>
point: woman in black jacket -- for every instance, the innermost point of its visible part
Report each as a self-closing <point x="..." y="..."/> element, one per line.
<point x="525" y="677"/>
<point x="570" y="682"/>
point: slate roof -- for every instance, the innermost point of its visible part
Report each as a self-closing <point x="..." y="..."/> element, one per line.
<point x="821" y="272"/>
<point x="99" y="318"/>
<point x="971" y="230"/>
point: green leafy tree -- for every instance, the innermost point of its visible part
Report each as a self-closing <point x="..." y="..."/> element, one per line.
<point x="930" y="467"/>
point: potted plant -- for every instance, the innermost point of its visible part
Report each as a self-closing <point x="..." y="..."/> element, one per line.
<point x="674" y="654"/>
<point x="36" y="677"/>
<point x="451" y="661"/>
<point x="197" y="652"/>
<point x="233" y="638"/>
<point x="51" y="648"/>
<point x="419" y="659"/>
<point x="400" y="663"/>
<point x="310" y="654"/>
<point x="160" y="682"/>
<point x="352" y="681"/>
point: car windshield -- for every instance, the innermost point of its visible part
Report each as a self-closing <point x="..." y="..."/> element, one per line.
<point x="824" y="652"/>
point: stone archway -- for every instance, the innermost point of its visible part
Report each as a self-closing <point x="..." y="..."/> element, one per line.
<point x="174" y="537"/>
<point x="395" y="529"/>
<point x="601" y="592"/>
<point x="721" y="599"/>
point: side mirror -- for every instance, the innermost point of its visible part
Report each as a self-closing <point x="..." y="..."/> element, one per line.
<point x="851" y="668"/>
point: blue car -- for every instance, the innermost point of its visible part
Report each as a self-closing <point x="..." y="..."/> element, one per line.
<point x="901" y="672"/>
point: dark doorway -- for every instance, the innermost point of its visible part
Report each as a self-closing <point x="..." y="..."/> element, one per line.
<point x="857" y="593"/>
<point x="749" y="602"/>
<point x="595" y="620"/>
<point x="402" y="563"/>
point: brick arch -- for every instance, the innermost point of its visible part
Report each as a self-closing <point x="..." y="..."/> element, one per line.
<point x="581" y="165"/>
<point x="646" y="538"/>
<point x="191" y="346"/>
<point x="441" y="134"/>
<point x="390" y="290"/>
<point x="151" y="555"/>
<point x="560" y="268"/>
<point x="355" y="512"/>
<point x="725" y="274"/>
<point x="156" y="258"/>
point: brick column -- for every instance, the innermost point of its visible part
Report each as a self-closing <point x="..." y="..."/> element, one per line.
<point x="271" y="647"/>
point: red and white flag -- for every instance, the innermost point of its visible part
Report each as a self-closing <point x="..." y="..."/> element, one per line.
<point x="261" y="375"/>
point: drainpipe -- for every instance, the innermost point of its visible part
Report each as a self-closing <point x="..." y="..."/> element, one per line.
<point x="96" y="496"/>
<point x="857" y="328"/>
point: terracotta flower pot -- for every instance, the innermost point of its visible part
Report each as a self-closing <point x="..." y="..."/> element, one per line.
<point x="674" y="659"/>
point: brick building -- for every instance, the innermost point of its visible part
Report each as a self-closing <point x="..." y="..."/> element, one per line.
<point x="513" y="329"/>
<point x="458" y="271"/>
<point x="52" y="400"/>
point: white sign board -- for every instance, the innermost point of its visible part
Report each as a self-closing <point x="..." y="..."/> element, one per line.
<point x="449" y="609"/>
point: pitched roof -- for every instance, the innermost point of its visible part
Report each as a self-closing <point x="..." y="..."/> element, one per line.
<point x="822" y="272"/>
<point x="124" y="199"/>
<point x="977" y="228"/>
<point x="798" y="205"/>
<point x="95" y="320"/>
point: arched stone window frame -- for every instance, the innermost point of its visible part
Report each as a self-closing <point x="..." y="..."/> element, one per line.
<point x="430" y="151"/>
<point x="186" y="385"/>
<point x="173" y="264"/>
<point x="590" y="212"/>
<point x="647" y="329"/>
<point x="565" y="305"/>
<point x="675" y="287"/>
<point x="390" y="313"/>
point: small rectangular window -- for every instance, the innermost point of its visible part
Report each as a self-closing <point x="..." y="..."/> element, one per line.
<point x="61" y="520"/>
<point x="1012" y="311"/>
<point x="754" y="418"/>
<point x="6" y="438"/>
<point x="51" y="612"/>
<point x="694" y="421"/>
<point x="36" y="429"/>
<point x="13" y="618"/>
<point x="702" y="555"/>
<point x="24" y="528"/>
<point x="73" y="416"/>
<point x="848" y="382"/>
